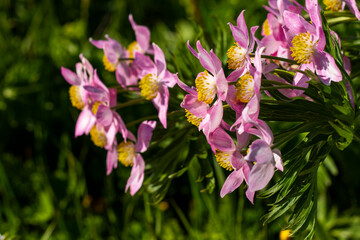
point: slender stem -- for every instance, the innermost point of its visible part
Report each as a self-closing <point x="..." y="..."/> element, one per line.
<point x="334" y="21"/>
<point x="274" y="82"/>
<point x="151" y="117"/>
<point x="276" y="58"/>
<point x="282" y="87"/>
<point x="130" y="103"/>
<point x="125" y="59"/>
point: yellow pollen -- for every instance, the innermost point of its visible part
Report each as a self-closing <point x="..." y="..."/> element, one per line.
<point x="126" y="153"/>
<point x="75" y="97"/>
<point x="108" y="65"/>
<point x="224" y="159"/>
<point x="206" y="87"/>
<point x="134" y="46"/>
<point x="332" y="5"/>
<point x="303" y="48"/>
<point x="98" y="136"/>
<point x="96" y="107"/>
<point x="236" y="56"/>
<point x="191" y="118"/>
<point x="266" y="28"/>
<point x="149" y="86"/>
<point x="245" y="88"/>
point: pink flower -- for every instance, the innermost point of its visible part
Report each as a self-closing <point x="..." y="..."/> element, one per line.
<point x="108" y="122"/>
<point x="238" y="54"/>
<point x="114" y="54"/>
<point x="155" y="81"/>
<point x="308" y="43"/>
<point x="129" y="155"/>
<point x="210" y="85"/>
<point x="248" y="92"/>
<point x="83" y="76"/>
<point x="264" y="158"/>
<point x="239" y="165"/>
<point x="200" y="114"/>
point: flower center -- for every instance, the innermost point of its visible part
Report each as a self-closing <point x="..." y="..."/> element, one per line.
<point x="303" y="48"/>
<point x="111" y="67"/>
<point x="149" y="86"/>
<point x="126" y="153"/>
<point x="206" y="87"/>
<point x="266" y="28"/>
<point x="75" y="97"/>
<point x="224" y="159"/>
<point x="134" y="46"/>
<point x="236" y="56"/>
<point x="98" y="136"/>
<point x="191" y="118"/>
<point x="245" y="88"/>
<point x="332" y="5"/>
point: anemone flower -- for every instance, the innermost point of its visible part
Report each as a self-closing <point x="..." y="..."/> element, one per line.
<point x="155" y="81"/>
<point x="308" y="44"/>
<point x="129" y="155"/>
<point x="238" y="54"/>
<point x="210" y="85"/>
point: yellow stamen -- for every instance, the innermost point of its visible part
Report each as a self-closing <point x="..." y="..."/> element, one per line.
<point x="98" y="136"/>
<point x="108" y="65"/>
<point x="245" y="88"/>
<point x="206" y="87"/>
<point x="75" y="97"/>
<point x="332" y="5"/>
<point x="95" y="107"/>
<point x="134" y="46"/>
<point x="266" y="28"/>
<point x="236" y="56"/>
<point x="224" y="159"/>
<point x="149" y="86"/>
<point x="126" y="153"/>
<point x="191" y="118"/>
<point x="303" y="48"/>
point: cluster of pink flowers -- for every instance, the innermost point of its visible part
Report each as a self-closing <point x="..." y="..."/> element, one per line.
<point x="134" y="71"/>
<point x="141" y="68"/>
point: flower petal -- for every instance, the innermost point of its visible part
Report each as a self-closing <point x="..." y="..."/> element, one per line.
<point x="144" y="135"/>
<point x="232" y="182"/>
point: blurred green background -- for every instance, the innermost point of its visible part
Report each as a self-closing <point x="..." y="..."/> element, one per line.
<point x="53" y="186"/>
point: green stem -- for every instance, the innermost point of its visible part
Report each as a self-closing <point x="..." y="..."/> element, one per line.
<point x="276" y="58"/>
<point x="282" y="87"/>
<point x="125" y="59"/>
<point x="334" y="21"/>
<point x="150" y="117"/>
<point x="130" y="103"/>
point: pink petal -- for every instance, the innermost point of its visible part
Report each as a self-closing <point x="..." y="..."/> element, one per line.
<point x="222" y="141"/>
<point x="232" y="182"/>
<point x="326" y="68"/>
<point x="353" y="8"/>
<point x="85" y="122"/>
<point x="142" y="34"/>
<point x="111" y="159"/>
<point x="137" y="175"/>
<point x="260" y="152"/>
<point x="161" y="102"/>
<point x="159" y="61"/>
<point x="260" y="176"/>
<point x="144" y="135"/>
<point x="205" y="59"/>
<point x="104" y="115"/>
<point x="71" y="77"/>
